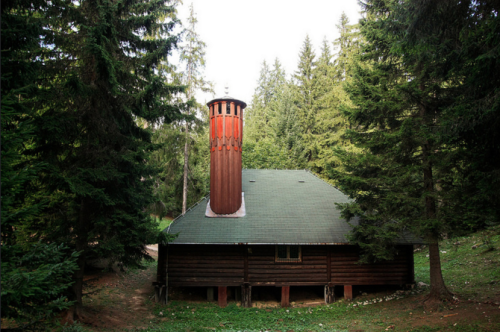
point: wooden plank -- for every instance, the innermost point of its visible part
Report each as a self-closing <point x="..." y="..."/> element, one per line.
<point x="348" y="292"/>
<point x="246" y="296"/>
<point x="198" y="269"/>
<point x="329" y="265"/>
<point x="245" y="272"/>
<point x="329" y="294"/>
<point x="285" y="296"/>
<point x="288" y="267"/>
<point x="370" y="274"/>
<point x="203" y="274"/>
<point x="222" y="296"/>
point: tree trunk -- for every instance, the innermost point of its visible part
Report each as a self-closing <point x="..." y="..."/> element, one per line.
<point x="80" y="245"/>
<point x="439" y="292"/>
<point x="185" y="186"/>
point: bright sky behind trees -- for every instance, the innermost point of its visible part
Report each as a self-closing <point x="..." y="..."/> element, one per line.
<point x="240" y="35"/>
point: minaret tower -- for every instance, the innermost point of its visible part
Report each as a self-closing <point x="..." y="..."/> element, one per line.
<point x="226" y="133"/>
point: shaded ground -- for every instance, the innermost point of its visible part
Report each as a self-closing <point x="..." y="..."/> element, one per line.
<point x="119" y="300"/>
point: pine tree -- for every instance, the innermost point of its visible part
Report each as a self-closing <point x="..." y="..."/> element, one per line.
<point x="272" y="132"/>
<point x="463" y="37"/>
<point x="305" y="94"/>
<point x="34" y="277"/>
<point x="101" y="62"/>
<point x="193" y="54"/>
<point x="394" y="179"/>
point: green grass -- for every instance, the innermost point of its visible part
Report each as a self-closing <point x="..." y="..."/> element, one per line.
<point x="470" y="273"/>
<point x="164" y="222"/>
<point x="183" y="316"/>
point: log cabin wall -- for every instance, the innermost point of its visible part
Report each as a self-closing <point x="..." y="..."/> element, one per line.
<point x="234" y="265"/>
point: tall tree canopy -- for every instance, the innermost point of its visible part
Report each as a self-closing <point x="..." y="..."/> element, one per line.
<point x="409" y="91"/>
<point x="272" y="128"/>
<point x="193" y="54"/>
<point x="99" y="70"/>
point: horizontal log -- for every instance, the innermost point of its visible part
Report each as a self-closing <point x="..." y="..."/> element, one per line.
<point x="278" y="271"/>
<point x="287" y="266"/>
<point x="207" y="257"/>
<point x="216" y="265"/>
<point x="204" y="274"/>
<point x="388" y="264"/>
<point x="196" y="269"/>
<point x="361" y="274"/>
<point x="287" y="280"/>
<point x="369" y="270"/>
<point x="194" y="280"/>
<point x="204" y="284"/>
<point x="344" y="258"/>
<point x="205" y="261"/>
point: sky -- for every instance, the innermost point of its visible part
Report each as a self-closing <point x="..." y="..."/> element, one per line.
<point x="240" y="35"/>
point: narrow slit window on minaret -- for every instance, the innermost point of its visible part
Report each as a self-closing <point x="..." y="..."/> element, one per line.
<point x="228" y="108"/>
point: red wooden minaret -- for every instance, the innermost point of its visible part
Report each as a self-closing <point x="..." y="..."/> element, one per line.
<point x="226" y="133"/>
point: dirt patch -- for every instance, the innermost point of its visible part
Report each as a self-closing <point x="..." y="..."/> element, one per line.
<point x="118" y="300"/>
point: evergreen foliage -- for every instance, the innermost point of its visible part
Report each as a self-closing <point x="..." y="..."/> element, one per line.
<point x="272" y="136"/>
<point x="35" y="278"/>
<point x="98" y="71"/>
<point x="409" y="94"/>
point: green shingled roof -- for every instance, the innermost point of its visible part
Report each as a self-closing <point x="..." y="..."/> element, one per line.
<point x="280" y="209"/>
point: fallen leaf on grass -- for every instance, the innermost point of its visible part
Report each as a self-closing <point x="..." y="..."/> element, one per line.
<point x="390" y="327"/>
<point x="220" y="324"/>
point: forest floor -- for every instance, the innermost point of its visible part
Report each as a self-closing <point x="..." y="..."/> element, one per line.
<point x="122" y="301"/>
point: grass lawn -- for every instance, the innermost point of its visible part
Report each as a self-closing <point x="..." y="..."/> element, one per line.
<point x="164" y="222"/>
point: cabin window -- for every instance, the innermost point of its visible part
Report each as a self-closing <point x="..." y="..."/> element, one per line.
<point x="219" y="110"/>
<point x="291" y="254"/>
<point x="235" y="109"/>
<point x="228" y="108"/>
<point x="213" y="111"/>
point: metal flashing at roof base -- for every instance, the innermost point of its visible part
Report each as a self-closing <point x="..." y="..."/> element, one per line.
<point x="238" y="214"/>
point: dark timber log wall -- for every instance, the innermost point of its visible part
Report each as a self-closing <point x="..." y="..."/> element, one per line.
<point x="230" y="265"/>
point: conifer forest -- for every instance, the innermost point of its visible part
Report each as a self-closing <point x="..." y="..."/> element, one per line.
<point x="102" y="134"/>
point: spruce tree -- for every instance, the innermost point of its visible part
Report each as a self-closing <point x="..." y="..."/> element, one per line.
<point x="272" y="131"/>
<point x="305" y="95"/>
<point x="101" y="73"/>
<point x="395" y="178"/>
<point x="193" y="54"/>
<point x="463" y="37"/>
<point x="35" y="278"/>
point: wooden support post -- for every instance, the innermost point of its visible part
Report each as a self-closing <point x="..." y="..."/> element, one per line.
<point x="157" y="293"/>
<point x="246" y="296"/>
<point x="329" y="294"/>
<point x="210" y="294"/>
<point x="285" y="296"/>
<point x="164" y="294"/>
<point x="222" y="296"/>
<point x="348" y="292"/>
